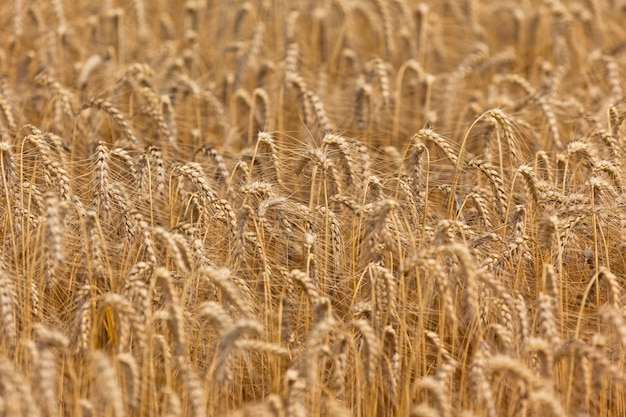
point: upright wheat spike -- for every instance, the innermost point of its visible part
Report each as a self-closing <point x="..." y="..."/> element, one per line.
<point x="317" y="342"/>
<point x="383" y="79"/>
<point x="135" y="289"/>
<point x="7" y="166"/>
<point x="307" y="284"/>
<point x="108" y="392"/>
<point x="82" y="319"/>
<point x="376" y="226"/>
<point x="177" y="246"/>
<point x="54" y="253"/>
<point x="587" y="153"/>
<point x="436" y="389"/>
<point x="295" y="393"/>
<point x="222" y="173"/>
<point x="248" y="58"/>
<point x="481" y="206"/>
<point x="260" y="104"/>
<point x="417" y="169"/>
<point x="227" y="344"/>
<point x="173" y="406"/>
<point x="122" y="311"/>
<point x="533" y="96"/>
<point x="320" y="113"/>
<point x="469" y="274"/>
<point x="154" y="109"/>
<point x="230" y="290"/>
<point x="101" y="194"/>
<point x="385" y="285"/>
<point x="546" y="320"/>
<point x="334" y="228"/>
<point x="613" y="285"/>
<point x="542" y="354"/>
<point x="416" y="67"/>
<point x="194" y="173"/>
<point x="424" y="410"/>
<point x="371" y="346"/>
<point x="612" y="171"/>
<point x="537" y="188"/>
<point x="345" y="156"/>
<point x="266" y="140"/>
<point x="95" y="250"/>
<point x="57" y="5"/>
<point x="394" y="362"/>
<point x="481" y="388"/>
<point x="125" y="156"/>
<point x="193" y="388"/>
<point x="8" y="310"/>
<point x="430" y="135"/>
<point x="507" y="127"/>
<point x="140" y="13"/>
<point x="62" y="98"/>
<point x="115" y="114"/>
<point x="363" y="103"/>
<point x="130" y="370"/>
<point x="549" y="399"/>
<point x="87" y="70"/>
<point x="54" y="171"/>
<point x="175" y="319"/>
<point x="45" y="350"/>
<point x="17" y="19"/>
<point x="217" y="314"/>
<point x="385" y="12"/>
<point x="319" y="158"/>
<point x="465" y="68"/>
<point x="291" y="60"/>
<point x="497" y="184"/>
<point x="17" y="398"/>
<point x="613" y="76"/>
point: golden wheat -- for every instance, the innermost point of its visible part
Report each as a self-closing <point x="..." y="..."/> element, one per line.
<point x="294" y="208"/>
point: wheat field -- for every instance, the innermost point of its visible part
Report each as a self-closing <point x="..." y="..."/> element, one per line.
<point x="312" y="208"/>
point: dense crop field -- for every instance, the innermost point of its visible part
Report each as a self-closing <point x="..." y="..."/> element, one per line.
<point x="312" y="208"/>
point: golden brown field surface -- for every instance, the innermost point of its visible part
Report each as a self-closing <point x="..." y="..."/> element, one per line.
<point x="312" y="208"/>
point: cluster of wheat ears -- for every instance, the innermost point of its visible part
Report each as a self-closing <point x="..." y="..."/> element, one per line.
<point x="305" y="208"/>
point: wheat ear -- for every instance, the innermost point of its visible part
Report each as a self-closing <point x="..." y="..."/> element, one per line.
<point x="8" y="310"/>
<point x="115" y="114"/>
<point x="108" y="392"/>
